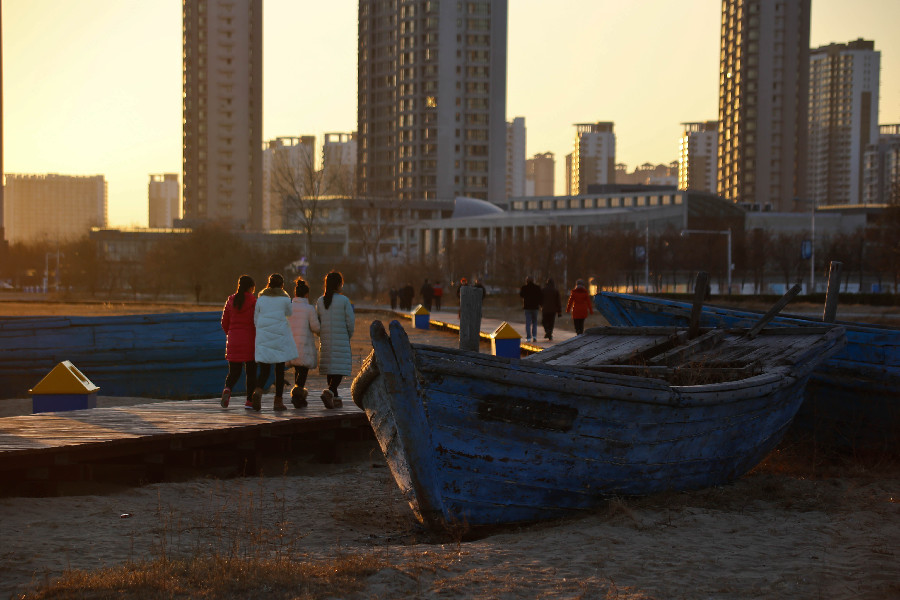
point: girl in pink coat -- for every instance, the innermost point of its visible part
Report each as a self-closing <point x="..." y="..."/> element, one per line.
<point x="304" y="325"/>
<point x="240" y="338"/>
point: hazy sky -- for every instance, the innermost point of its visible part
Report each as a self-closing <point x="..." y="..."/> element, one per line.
<point x="94" y="86"/>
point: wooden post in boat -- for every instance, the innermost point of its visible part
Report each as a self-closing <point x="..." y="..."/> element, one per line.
<point x="700" y="286"/>
<point x="764" y="320"/>
<point x="831" y="296"/>
<point x="469" y="317"/>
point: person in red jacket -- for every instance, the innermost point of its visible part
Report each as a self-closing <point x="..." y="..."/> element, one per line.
<point x="579" y="305"/>
<point x="240" y="338"/>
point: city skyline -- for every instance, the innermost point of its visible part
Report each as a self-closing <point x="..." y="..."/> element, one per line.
<point x="105" y="98"/>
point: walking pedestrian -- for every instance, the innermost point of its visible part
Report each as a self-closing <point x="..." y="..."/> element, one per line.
<point x="337" y="321"/>
<point x="531" y="302"/>
<point x="427" y="293"/>
<point x="240" y="338"/>
<point x="394" y="294"/>
<point x="304" y="327"/>
<point x="551" y="308"/>
<point x="406" y="296"/>
<point x="274" y="340"/>
<point x="580" y="305"/>
<point x="438" y="292"/>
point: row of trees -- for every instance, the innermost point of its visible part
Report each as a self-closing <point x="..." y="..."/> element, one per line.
<point x="616" y="258"/>
<point x="207" y="262"/>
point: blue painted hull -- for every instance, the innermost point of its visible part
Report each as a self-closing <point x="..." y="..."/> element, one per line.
<point x="475" y="440"/>
<point x="853" y="399"/>
<point x="174" y="355"/>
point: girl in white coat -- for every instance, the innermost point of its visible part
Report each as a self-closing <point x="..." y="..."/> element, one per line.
<point x="337" y="321"/>
<point x="274" y="341"/>
<point x="304" y="325"/>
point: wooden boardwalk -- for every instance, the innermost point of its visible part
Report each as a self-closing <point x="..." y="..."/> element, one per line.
<point x="148" y="440"/>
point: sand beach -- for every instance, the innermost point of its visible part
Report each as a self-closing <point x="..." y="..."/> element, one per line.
<point x="801" y="525"/>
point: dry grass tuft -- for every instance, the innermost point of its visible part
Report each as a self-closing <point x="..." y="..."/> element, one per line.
<point x="219" y="577"/>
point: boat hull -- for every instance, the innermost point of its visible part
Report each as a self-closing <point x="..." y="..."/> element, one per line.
<point x="177" y="355"/>
<point x="852" y="400"/>
<point x="476" y="440"/>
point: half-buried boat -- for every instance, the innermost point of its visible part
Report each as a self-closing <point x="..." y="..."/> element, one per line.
<point x="853" y="398"/>
<point x="476" y="440"/>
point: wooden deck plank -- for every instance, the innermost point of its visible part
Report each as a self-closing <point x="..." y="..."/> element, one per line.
<point x="79" y="431"/>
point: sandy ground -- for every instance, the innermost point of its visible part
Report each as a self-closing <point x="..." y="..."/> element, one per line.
<point x="779" y="532"/>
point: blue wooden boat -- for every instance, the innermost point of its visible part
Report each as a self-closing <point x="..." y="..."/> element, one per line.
<point x="477" y="440"/>
<point x="170" y="355"/>
<point x="853" y="399"/>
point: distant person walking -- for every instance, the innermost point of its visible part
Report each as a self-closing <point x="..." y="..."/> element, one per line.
<point x="337" y="321"/>
<point x="427" y="293"/>
<point x="406" y="297"/>
<point x="551" y="307"/>
<point x="579" y="304"/>
<point x="240" y="338"/>
<point x="304" y="327"/>
<point x="274" y="340"/>
<point x="481" y="287"/>
<point x="531" y="302"/>
<point x="438" y="292"/>
<point x="393" y="294"/>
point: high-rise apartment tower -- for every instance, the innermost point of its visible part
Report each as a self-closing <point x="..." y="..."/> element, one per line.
<point x="843" y="119"/>
<point x="164" y="201"/>
<point x="763" y="91"/>
<point x="697" y="156"/>
<point x="53" y="208"/>
<point x="539" y="175"/>
<point x="881" y="180"/>
<point x="339" y="153"/>
<point x="594" y="156"/>
<point x="289" y="171"/>
<point x="515" y="158"/>
<point x="432" y="99"/>
<point x="222" y="138"/>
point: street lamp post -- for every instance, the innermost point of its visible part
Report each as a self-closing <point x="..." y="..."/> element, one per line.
<point x="726" y="233"/>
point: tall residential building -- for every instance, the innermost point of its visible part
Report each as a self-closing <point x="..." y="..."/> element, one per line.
<point x="568" y="168"/>
<point x="881" y="171"/>
<point x="339" y="152"/>
<point x="289" y="169"/>
<point x="843" y="119"/>
<point x="515" y="158"/>
<point x="697" y="156"/>
<point x="763" y="91"/>
<point x="53" y="208"/>
<point x="164" y="195"/>
<point x="222" y="138"/>
<point x="539" y="175"/>
<point x="594" y="155"/>
<point x="432" y="99"/>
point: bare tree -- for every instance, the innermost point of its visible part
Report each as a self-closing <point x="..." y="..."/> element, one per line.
<point x="297" y="182"/>
<point x="372" y="223"/>
<point x="784" y="251"/>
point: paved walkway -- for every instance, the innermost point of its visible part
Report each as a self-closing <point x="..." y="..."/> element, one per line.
<point x="450" y="320"/>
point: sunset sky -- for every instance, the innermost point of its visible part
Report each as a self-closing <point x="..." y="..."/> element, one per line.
<point x="94" y="86"/>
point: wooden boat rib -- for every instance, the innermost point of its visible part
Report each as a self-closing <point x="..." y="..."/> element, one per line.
<point x="853" y="398"/>
<point x="475" y="440"/>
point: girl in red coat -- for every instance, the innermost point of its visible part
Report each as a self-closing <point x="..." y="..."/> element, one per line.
<point x="240" y="332"/>
<point x="579" y="305"/>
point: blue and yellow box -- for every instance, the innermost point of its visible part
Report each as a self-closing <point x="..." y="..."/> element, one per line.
<point x="506" y="341"/>
<point x="63" y="388"/>
<point x="421" y="317"/>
